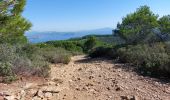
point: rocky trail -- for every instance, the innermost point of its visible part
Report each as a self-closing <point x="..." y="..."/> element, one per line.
<point x="88" y="79"/>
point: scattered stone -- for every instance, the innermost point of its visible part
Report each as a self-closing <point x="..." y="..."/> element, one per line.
<point x="91" y="77"/>
<point x="108" y="88"/>
<point x="79" y="79"/>
<point x="89" y="84"/>
<point x="124" y="97"/>
<point x="48" y="95"/>
<point x="50" y="89"/>
<point x="28" y="85"/>
<point x="31" y="92"/>
<point x="58" y="81"/>
<point x="119" y="70"/>
<point x="40" y="94"/>
<point x="85" y="88"/>
<point x="9" y="98"/>
<point x="120" y="75"/>
<point x="5" y="93"/>
<point x="75" y="98"/>
<point x="129" y="97"/>
<point x="79" y="69"/>
<point x="22" y="94"/>
<point x="118" y="89"/>
<point x="114" y="81"/>
<point x="51" y="83"/>
<point x="136" y="98"/>
<point x="110" y="97"/>
<point x="78" y="89"/>
<point x="167" y="90"/>
<point x="98" y="63"/>
<point x="70" y="81"/>
<point x="36" y="98"/>
<point x="98" y="84"/>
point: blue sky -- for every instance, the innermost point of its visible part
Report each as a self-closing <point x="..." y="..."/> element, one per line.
<point x="75" y="15"/>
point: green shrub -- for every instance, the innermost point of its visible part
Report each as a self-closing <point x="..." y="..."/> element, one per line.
<point x="107" y="52"/>
<point x="5" y="69"/>
<point x="75" y="47"/>
<point x="9" y="79"/>
<point x="149" y="58"/>
<point x="7" y="73"/>
<point x="167" y="47"/>
<point x="104" y="50"/>
<point x="22" y="60"/>
<point x="65" y="58"/>
<point x="56" y="55"/>
<point x="90" y="44"/>
<point x="40" y="68"/>
<point x="7" y="53"/>
<point x="22" y="66"/>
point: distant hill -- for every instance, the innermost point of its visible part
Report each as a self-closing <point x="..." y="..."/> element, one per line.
<point x="37" y="37"/>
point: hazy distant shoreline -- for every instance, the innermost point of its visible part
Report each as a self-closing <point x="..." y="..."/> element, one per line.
<point x="37" y="37"/>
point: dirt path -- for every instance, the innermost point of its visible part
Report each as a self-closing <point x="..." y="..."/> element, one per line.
<point x="97" y="79"/>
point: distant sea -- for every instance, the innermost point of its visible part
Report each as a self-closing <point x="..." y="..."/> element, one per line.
<point x="38" y="37"/>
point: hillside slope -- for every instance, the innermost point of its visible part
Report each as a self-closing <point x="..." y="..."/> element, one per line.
<point x="91" y="79"/>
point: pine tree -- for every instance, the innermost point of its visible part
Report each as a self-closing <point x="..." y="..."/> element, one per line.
<point x="12" y="24"/>
<point x="138" y="27"/>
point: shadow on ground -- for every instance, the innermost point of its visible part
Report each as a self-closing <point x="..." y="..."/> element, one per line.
<point x="127" y="68"/>
<point x="87" y="59"/>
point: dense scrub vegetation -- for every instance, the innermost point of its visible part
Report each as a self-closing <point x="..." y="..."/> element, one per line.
<point x="142" y="39"/>
<point x="150" y="59"/>
<point x="77" y="46"/>
<point x="144" y="43"/>
<point x="17" y="56"/>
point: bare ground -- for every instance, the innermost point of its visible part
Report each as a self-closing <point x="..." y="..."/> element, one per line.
<point x="88" y="79"/>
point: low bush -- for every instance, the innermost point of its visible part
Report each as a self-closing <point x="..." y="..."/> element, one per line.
<point x="150" y="59"/>
<point x="75" y="47"/>
<point x="5" y="69"/>
<point x="9" y="79"/>
<point x="28" y="59"/>
<point x="40" y="68"/>
<point x="19" y="60"/>
<point x="7" y="53"/>
<point x="105" y="50"/>
<point x="56" y="55"/>
<point x="90" y="44"/>
<point x="102" y="51"/>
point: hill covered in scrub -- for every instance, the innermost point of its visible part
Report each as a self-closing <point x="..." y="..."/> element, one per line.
<point x="131" y="64"/>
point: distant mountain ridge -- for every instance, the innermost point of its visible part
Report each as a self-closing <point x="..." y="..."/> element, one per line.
<point x="37" y="37"/>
